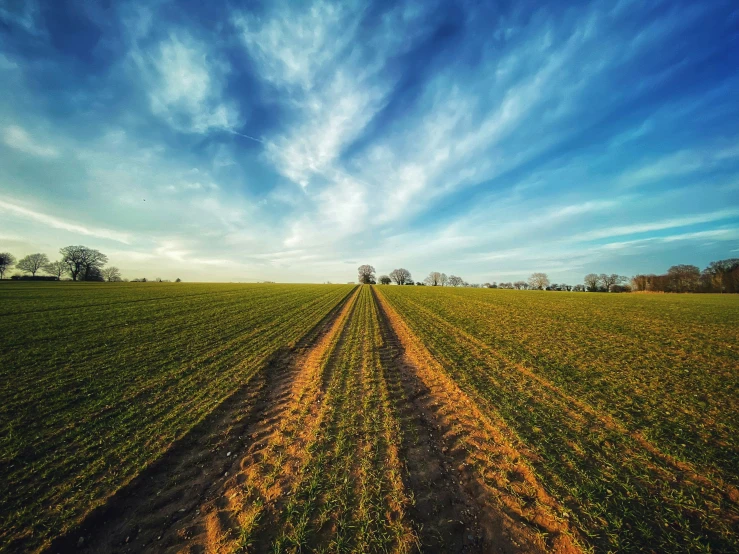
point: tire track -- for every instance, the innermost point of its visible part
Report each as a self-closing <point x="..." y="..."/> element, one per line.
<point x="348" y="495"/>
<point x="616" y="490"/>
<point x="166" y="507"/>
<point x="473" y="490"/>
<point x="244" y="513"/>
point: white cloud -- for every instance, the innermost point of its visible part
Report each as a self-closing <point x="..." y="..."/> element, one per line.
<point x="6" y="63"/>
<point x="678" y="164"/>
<point x="25" y="14"/>
<point x="331" y="80"/>
<point x="185" y="81"/>
<point x="659" y="225"/>
<point x="16" y="137"/>
<point x="715" y="234"/>
<point x="57" y="223"/>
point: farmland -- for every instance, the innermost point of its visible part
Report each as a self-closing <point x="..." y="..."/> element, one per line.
<point x="628" y="406"/>
<point x="97" y="383"/>
<point x="288" y="418"/>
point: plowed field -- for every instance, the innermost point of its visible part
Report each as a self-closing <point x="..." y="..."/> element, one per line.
<point x="291" y="418"/>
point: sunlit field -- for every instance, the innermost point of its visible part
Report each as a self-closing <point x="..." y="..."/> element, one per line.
<point x="287" y="418"/>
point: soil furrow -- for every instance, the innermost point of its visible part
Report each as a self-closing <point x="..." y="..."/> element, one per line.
<point x="162" y="508"/>
<point x="473" y="492"/>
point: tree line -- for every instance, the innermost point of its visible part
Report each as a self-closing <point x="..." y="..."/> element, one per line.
<point x="720" y="276"/>
<point x="77" y="263"/>
<point x="80" y="263"/>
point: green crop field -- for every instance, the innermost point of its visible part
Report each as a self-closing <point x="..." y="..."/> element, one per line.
<point x="628" y="403"/>
<point x="97" y="381"/>
<point x="376" y="419"/>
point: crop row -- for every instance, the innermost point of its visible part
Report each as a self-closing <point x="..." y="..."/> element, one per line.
<point x="348" y="494"/>
<point x="112" y="387"/>
<point x="564" y="377"/>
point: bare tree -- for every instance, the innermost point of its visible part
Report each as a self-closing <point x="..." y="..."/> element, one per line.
<point x="385" y="280"/>
<point x="434" y="279"/>
<point x="518" y="285"/>
<point x="57" y="269"/>
<point x="83" y="262"/>
<point x="401" y="276"/>
<point x="684" y="278"/>
<point x="7" y="260"/>
<point x="443" y="280"/>
<point x="538" y="281"/>
<point x="455" y="281"/>
<point x="111" y="274"/>
<point x="591" y="282"/>
<point x="610" y="280"/>
<point x="366" y="274"/>
<point x="32" y="263"/>
<point x="725" y="274"/>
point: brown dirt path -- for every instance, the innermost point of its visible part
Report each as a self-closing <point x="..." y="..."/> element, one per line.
<point x="176" y="504"/>
<point x="473" y="491"/>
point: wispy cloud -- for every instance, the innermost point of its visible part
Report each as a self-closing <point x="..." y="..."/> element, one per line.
<point x="660" y="225"/>
<point x="16" y="137"/>
<point x="274" y="140"/>
<point x="678" y="164"/>
<point x="58" y="223"/>
<point x="185" y="81"/>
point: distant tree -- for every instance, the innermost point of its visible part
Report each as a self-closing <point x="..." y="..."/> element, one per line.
<point x="111" y="274"/>
<point x="57" y="269"/>
<point x="684" y="278"/>
<point x="83" y="261"/>
<point x="620" y="288"/>
<point x="385" y="280"/>
<point x="592" y="281"/>
<point x="518" y="285"/>
<point x="366" y="274"/>
<point x="610" y="280"/>
<point x="7" y="260"/>
<point x="178" y="280"/>
<point x="725" y="274"/>
<point x="538" y="281"/>
<point x="639" y="282"/>
<point x="401" y="276"/>
<point x="433" y="279"/>
<point x="443" y="280"/>
<point x="32" y="263"/>
<point x="420" y="284"/>
<point x="93" y="273"/>
<point x="578" y="288"/>
<point x="455" y="281"/>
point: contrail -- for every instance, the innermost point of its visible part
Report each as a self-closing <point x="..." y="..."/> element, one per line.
<point x="245" y="136"/>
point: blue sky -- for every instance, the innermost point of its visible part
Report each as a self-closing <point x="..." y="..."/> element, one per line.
<point x="294" y="141"/>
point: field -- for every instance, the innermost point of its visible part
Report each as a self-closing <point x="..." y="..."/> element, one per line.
<point x="293" y="418"/>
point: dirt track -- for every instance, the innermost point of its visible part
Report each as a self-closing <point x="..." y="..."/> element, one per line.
<point x="353" y="425"/>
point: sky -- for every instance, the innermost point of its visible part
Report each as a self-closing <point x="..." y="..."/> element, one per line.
<point x="293" y="141"/>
